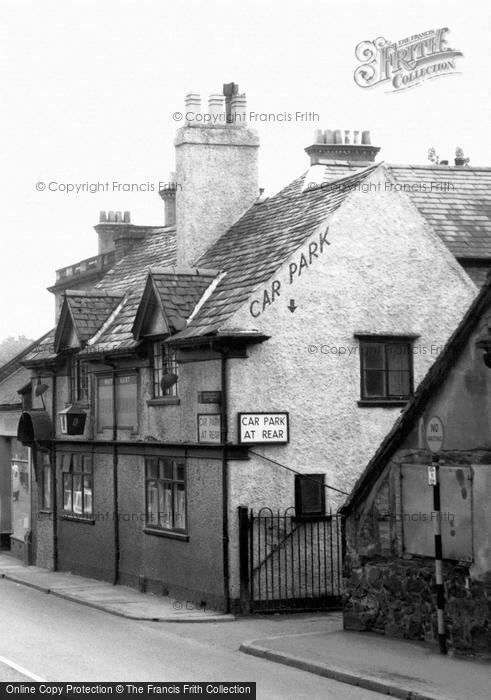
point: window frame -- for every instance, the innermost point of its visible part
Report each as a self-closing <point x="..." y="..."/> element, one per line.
<point x="46" y="469"/>
<point x="300" y="512"/>
<point x="160" y="351"/>
<point x="79" y="380"/>
<point x="69" y="470"/>
<point x="155" y="528"/>
<point x="115" y="414"/>
<point x="386" y="340"/>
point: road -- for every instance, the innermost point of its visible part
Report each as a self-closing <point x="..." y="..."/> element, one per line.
<point x="57" y="640"/>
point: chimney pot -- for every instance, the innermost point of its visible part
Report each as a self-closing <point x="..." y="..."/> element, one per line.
<point x="192" y="103"/>
<point x="119" y="217"/>
<point x="102" y="217"/>
<point x="238" y="110"/>
<point x="110" y="217"/>
<point x="126" y="217"/>
<point x="319" y="136"/>
<point x="216" y="109"/>
<point x="341" y="147"/>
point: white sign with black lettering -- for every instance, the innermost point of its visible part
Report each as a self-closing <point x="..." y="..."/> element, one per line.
<point x="263" y="428"/>
<point x="209" y="427"/>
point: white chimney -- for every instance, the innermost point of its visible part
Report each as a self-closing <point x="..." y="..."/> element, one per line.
<point x="216" y="168"/>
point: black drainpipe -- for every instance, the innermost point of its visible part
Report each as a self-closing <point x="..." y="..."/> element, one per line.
<point x="224" y="436"/>
<point x="115" y="478"/>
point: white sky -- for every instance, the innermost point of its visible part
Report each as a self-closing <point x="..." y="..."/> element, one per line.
<point x="89" y="89"/>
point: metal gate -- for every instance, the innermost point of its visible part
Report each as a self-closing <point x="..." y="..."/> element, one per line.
<point x="289" y="563"/>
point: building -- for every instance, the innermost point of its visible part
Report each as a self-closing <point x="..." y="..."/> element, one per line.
<point x="15" y="468"/>
<point x="251" y="352"/>
<point x="390" y="513"/>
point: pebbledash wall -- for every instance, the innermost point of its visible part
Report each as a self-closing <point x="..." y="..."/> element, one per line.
<point x="389" y="589"/>
<point x="414" y="287"/>
<point x="383" y="272"/>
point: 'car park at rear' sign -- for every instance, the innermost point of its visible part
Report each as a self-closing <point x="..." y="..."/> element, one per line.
<point x="263" y="428"/>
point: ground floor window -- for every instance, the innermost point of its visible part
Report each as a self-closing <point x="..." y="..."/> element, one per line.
<point x="310" y="495"/>
<point x="77" y="477"/>
<point x="165" y="494"/>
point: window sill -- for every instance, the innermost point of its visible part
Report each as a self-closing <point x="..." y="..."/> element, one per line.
<point x="78" y="519"/>
<point x="383" y="403"/>
<point x="164" y="401"/>
<point x="45" y="511"/>
<point x="167" y="533"/>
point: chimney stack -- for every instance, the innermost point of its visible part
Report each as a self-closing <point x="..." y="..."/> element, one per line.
<point x="168" y="195"/>
<point x="216" y="171"/>
<point x="329" y="147"/>
<point x="110" y="225"/>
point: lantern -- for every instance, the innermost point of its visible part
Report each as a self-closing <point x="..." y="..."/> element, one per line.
<point x="72" y="420"/>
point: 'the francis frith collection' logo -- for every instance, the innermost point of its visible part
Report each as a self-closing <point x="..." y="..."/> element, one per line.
<point x="405" y="63"/>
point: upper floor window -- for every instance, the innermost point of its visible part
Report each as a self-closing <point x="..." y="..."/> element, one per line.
<point x="163" y="363"/>
<point x="125" y="393"/>
<point x="386" y="369"/>
<point x="79" y="380"/>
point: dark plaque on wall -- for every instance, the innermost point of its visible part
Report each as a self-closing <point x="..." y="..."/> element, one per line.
<point x="209" y="396"/>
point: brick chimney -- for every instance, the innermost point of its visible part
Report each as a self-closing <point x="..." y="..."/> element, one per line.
<point x="216" y="171"/>
<point x="330" y="147"/>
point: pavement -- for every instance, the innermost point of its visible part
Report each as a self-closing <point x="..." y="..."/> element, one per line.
<point x="117" y="600"/>
<point x="398" y="668"/>
<point x="319" y="645"/>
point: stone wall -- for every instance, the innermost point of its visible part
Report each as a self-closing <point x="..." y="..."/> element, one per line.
<point x="392" y="592"/>
<point x="396" y="597"/>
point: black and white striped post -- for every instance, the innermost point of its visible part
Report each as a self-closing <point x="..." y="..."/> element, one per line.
<point x="434" y="480"/>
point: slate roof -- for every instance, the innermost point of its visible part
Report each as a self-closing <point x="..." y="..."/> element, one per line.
<point x="9" y="387"/>
<point x="127" y="277"/>
<point x="179" y="293"/>
<point x="456" y="202"/>
<point x="433" y="379"/>
<point x="259" y="243"/>
<point x="13" y="374"/>
<point x="42" y="349"/>
<point x="89" y="310"/>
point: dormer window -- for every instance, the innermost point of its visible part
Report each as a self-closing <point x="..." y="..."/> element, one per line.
<point x="164" y="364"/>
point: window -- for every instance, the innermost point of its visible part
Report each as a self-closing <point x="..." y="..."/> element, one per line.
<point x="163" y="362"/>
<point x="77" y="484"/>
<point x="126" y="403"/>
<point x="79" y="380"/>
<point x="165" y="494"/>
<point x="386" y="369"/>
<point x="310" y="497"/>
<point x="46" y="481"/>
